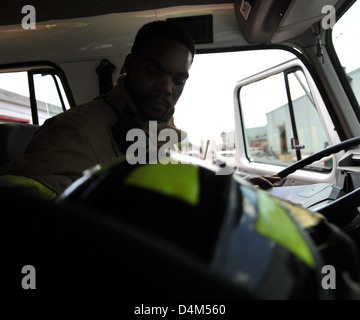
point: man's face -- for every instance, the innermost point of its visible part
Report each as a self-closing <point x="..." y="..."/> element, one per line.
<point x="156" y="78"/>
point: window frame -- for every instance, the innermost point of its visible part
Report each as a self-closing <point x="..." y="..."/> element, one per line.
<point x="291" y="107"/>
<point x="248" y="166"/>
<point x="294" y="140"/>
<point x="33" y="68"/>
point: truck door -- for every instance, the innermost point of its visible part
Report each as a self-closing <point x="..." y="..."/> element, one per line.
<point x="280" y="118"/>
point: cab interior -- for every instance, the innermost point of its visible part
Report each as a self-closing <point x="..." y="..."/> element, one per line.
<point x="68" y="41"/>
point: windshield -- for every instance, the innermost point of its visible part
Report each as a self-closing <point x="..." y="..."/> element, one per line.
<point x="345" y="36"/>
<point x="206" y="108"/>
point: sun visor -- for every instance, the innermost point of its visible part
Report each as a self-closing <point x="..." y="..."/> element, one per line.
<point x="264" y="21"/>
<point x="199" y="27"/>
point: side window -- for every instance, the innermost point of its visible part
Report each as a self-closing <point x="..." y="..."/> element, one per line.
<point x="31" y="96"/>
<point x="50" y="100"/>
<point x="14" y="97"/>
<point x="280" y="120"/>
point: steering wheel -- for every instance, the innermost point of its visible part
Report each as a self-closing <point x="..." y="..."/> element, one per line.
<point x="319" y="155"/>
<point x="345" y="204"/>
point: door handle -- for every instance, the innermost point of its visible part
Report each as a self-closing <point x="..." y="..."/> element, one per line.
<point x="295" y="145"/>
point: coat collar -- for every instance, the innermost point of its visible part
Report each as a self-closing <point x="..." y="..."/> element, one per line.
<point x="120" y="100"/>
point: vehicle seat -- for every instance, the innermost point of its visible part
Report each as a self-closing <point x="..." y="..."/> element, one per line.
<point x="14" y="137"/>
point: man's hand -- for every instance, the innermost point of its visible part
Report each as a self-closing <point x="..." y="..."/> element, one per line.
<point x="265" y="182"/>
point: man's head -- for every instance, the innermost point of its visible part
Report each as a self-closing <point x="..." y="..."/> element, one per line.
<point x="158" y="68"/>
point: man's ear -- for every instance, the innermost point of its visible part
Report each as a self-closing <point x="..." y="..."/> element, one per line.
<point x="128" y="63"/>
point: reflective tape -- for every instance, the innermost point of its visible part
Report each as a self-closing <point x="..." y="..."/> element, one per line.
<point x="30" y="184"/>
<point x="174" y="180"/>
<point x="274" y="222"/>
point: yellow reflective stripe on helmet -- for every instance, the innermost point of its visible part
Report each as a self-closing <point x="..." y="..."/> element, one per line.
<point x="175" y="180"/>
<point x="30" y="184"/>
<point x="274" y="223"/>
<point x="304" y="217"/>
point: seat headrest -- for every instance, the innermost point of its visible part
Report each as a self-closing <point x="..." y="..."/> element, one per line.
<point x="14" y="137"/>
